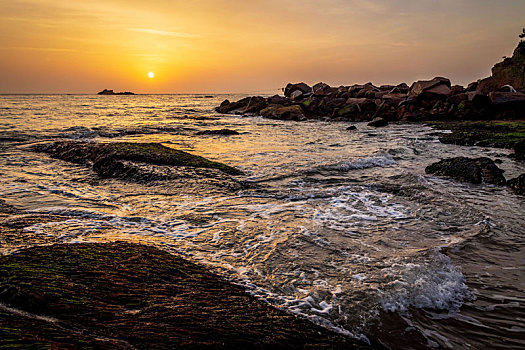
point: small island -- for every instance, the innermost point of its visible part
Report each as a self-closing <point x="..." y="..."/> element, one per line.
<point x="111" y="92"/>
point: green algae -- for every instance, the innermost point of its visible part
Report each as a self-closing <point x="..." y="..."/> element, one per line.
<point x="500" y="134"/>
<point x="118" y="295"/>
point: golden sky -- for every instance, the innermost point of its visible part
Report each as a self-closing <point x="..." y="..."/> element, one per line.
<point x="252" y="46"/>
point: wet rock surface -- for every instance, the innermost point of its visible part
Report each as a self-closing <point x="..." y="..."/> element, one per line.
<point x="134" y="161"/>
<point x="219" y="132"/>
<point x="473" y="170"/>
<point x="123" y="296"/>
<point x="500" y="134"/>
<point x="518" y="184"/>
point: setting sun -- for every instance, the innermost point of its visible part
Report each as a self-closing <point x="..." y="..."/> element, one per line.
<point x="151" y="75"/>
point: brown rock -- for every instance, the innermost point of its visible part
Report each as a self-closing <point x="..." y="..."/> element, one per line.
<point x="435" y="88"/>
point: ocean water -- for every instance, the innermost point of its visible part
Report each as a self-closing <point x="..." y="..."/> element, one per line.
<point x="341" y="227"/>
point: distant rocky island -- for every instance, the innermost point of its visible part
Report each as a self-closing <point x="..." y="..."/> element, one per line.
<point x="111" y="92"/>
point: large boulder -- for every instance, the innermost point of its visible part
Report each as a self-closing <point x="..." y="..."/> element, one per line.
<point x="512" y="70"/>
<point x="518" y="184"/>
<point x="436" y="88"/>
<point x="256" y="104"/>
<point x="278" y="100"/>
<point x="487" y="85"/>
<point x="291" y="88"/>
<point x="473" y="170"/>
<point x="229" y="107"/>
<point x="293" y="112"/>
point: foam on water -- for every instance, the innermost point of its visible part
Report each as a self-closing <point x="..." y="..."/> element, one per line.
<point x="435" y="284"/>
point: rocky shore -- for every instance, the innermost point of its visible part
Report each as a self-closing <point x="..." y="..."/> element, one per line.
<point x="498" y="97"/>
<point x="489" y="112"/>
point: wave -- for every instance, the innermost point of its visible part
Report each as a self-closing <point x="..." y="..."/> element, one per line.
<point x="380" y="160"/>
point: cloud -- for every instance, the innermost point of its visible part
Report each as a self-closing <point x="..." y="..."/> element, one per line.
<point x="163" y="32"/>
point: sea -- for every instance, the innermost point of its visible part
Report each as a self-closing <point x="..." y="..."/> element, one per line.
<point x="342" y="227"/>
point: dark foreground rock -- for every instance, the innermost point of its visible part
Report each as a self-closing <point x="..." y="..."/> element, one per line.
<point x="518" y="184"/>
<point x="473" y="170"/>
<point x="123" y="296"/>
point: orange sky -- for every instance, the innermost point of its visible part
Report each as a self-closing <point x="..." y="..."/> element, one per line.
<point x="252" y="46"/>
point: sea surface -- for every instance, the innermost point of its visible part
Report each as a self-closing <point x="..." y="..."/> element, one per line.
<point x="342" y="227"/>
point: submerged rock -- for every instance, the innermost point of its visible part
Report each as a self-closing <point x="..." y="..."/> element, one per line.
<point x="129" y="296"/>
<point x="473" y="170"/>
<point x="378" y="122"/>
<point x="518" y="184"/>
<point x="223" y="132"/>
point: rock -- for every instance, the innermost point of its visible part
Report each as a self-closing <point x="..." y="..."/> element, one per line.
<point x="472" y="86"/>
<point x="512" y="70"/>
<point x="368" y="91"/>
<point x="291" y="88"/>
<point x="278" y="100"/>
<point x="478" y="101"/>
<point x="351" y="127"/>
<point x="507" y="88"/>
<point x="435" y="88"/>
<point x="122" y="154"/>
<point x="130" y="296"/>
<point x="516" y="98"/>
<point x="487" y="85"/>
<point x="378" y="122"/>
<point x="111" y="92"/>
<point x="223" y="132"/>
<point x="228" y="107"/>
<point x="457" y="89"/>
<point x="320" y="86"/>
<point x="519" y="150"/>
<point x="255" y="105"/>
<point x="296" y="95"/>
<point x="518" y="184"/>
<point x="457" y="99"/>
<point x="473" y="170"/>
<point x="293" y="112"/>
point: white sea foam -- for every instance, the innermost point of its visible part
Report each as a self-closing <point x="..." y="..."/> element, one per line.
<point x="381" y="160"/>
<point x="434" y="284"/>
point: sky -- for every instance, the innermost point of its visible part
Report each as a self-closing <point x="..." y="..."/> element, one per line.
<point x="248" y="46"/>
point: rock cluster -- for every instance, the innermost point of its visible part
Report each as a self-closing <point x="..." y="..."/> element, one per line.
<point x="501" y="96"/>
<point x="111" y="92"/>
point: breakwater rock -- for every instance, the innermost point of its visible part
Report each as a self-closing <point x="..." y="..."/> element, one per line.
<point x="501" y="96"/>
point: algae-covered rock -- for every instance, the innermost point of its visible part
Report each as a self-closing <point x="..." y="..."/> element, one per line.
<point x="473" y="170"/>
<point x="124" y="296"/>
<point x="149" y="153"/>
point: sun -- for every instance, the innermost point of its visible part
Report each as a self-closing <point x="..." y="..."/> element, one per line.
<point x="151" y="75"/>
